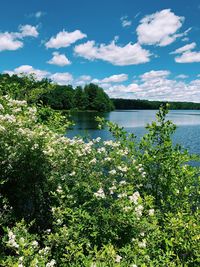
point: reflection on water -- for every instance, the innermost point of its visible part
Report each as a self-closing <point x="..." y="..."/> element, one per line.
<point x="134" y="121"/>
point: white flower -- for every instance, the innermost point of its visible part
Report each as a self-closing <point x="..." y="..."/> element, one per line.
<point x="15" y="110"/>
<point x="122" y="182"/>
<point x="151" y="212"/>
<point x="59" y="221"/>
<point x="107" y="159"/>
<point x="21" y="258"/>
<point x="2" y="128"/>
<point x="101" y="150"/>
<point x="35" y="243"/>
<point x="51" y="263"/>
<point x="144" y="174"/>
<point x="112" y="188"/>
<point x="59" y="189"/>
<point x="127" y="208"/>
<point x="139" y="210"/>
<point x="113" y="172"/>
<point x="118" y="258"/>
<point x="122" y="169"/>
<point x="93" y="161"/>
<point x="122" y="195"/>
<point x="134" y="198"/>
<point x="1" y="107"/>
<point x="98" y="139"/>
<point x="142" y="244"/>
<point x="133" y="265"/>
<point x="100" y="193"/>
<point x="11" y="240"/>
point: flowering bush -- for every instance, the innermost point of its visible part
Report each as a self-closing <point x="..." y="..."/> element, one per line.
<point x="65" y="202"/>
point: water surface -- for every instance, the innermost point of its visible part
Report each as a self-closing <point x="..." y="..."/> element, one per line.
<point x="134" y="121"/>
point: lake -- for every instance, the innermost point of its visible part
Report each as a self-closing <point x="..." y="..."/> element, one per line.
<point x="134" y="121"/>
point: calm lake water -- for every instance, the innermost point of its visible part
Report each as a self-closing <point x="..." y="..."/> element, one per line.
<point x="134" y="121"/>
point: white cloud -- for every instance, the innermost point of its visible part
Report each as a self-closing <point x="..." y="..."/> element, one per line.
<point x="59" y="60"/>
<point x="36" y="15"/>
<point x="188" y="57"/>
<point x="82" y="80"/>
<point x="159" y="28"/>
<point x="117" y="78"/>
<point x="39" y="14"/>
<point x="27" y="30"/>
<point x="61" y="78"/>
<point x="153" y="74"/>
<point x="185" y="39"/>
<point x="125" y="21"/>
<point x="130" y="54"/>
<point x="27" y="69"/>
<point x="182" y="76"/>
<point x="155" y="85"/>
<point x="14" y="40"/>
<point x="8" y="41"/>
<point x="184" y="48"/>
<point x="85" y="77"/>
<point x="64" y="39"/>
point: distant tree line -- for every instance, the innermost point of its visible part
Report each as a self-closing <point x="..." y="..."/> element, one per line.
<point x="59" y="97"/>
<point x="120" y="103"/>
<point x="65" y="97"/>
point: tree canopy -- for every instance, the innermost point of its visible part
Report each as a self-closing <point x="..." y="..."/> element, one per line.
<point x="60" y="97"/>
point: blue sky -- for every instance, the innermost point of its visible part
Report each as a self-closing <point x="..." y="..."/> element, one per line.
<point x="133" y="49"/>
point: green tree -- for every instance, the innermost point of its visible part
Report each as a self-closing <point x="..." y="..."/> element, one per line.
<point x="80" y="99"/>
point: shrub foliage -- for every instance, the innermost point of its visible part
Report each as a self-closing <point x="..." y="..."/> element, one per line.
<point x="66" y="202"/>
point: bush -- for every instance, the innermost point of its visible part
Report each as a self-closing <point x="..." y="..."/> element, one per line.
<point x="65" y="202"/>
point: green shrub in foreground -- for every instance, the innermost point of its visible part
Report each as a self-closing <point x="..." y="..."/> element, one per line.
<point x="65" y="202"/>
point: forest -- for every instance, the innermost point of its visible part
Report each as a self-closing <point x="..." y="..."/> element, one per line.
<point x="58" y="97"/>
<point x="146" y="104"/>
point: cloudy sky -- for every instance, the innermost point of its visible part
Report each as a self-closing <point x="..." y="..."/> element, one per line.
<point x="144" y="49"/>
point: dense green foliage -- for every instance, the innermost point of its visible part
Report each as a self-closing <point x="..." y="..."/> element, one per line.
<point x="59" y="97"/>
<point x="120" y="103"/>
<point x="66" y="202"/>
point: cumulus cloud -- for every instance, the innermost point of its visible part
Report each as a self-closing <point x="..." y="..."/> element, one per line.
<point x="182" y="76"/>
<point x="187" y="55"/>
<point x="155" y="85"/>
<point x="62" y="78"/>
<point x="59" y="60"/>
<point x="27" y="69"/>
<point x="159" y="28"/>
<point x="64" y="39"/>
<point x="153" y="74"/>
<point x="82" y="80"/>
<point x="117" y="78"/>
<point x="184" y="48"/>
<point x="130" y="54"/>
<point x="125" y="21"/>
<point x="14" y="40"/>
<point x="28" y="30"/>
<point x="8" y="41"/>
